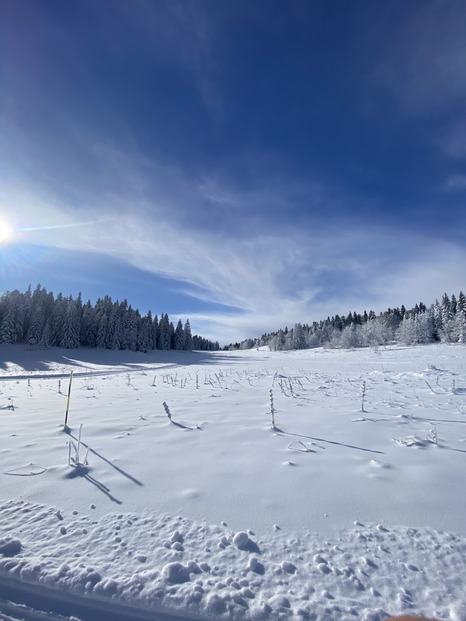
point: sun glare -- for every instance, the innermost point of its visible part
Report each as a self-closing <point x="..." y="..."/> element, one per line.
<point x="5" y="232"/>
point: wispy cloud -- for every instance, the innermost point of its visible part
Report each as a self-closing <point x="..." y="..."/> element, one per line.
<point x="419" y="59"/>
<point x="180" y="35"/>
<point x="452" y="139"/>
<point x="269" y="234"/>
<point x="267" y="281"/>
<point x="455" y="183"/>
<point x="424" y="56"/>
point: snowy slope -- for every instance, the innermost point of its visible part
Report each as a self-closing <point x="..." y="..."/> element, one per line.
<point x="336" y="513"/>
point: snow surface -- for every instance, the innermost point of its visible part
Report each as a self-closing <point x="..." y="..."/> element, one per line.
<point x="340" y="512"/>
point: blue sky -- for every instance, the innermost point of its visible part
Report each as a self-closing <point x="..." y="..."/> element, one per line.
<point x="245" y="164"/>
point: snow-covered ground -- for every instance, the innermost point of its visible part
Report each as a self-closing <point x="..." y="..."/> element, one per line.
<point x="340" y="512"/>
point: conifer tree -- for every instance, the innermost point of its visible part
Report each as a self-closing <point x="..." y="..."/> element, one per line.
<point x="164" y="333"/>
<point x="70" y="326"/>
<point x="144" y="334"/>
<point x="101" y="337"/>
<point x="36" y="326"/>
<point x="38" y="318"/>
<point x="188" y="337"/>
<point x="179" y="336"/>
<point x="8" y="329"/>
<point x="155" y="332"/>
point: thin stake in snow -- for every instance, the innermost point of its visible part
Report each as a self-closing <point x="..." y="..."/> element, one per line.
<point x="272" y="410"/>
<point x="167" y="410"/>
<point x="363" y="395"/>
<point x="432" y="435"/>
<point x="68" y="402"/>
<point x="74" y="461"/>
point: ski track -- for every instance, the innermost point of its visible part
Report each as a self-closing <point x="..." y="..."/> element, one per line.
<point x="340" y="512"/>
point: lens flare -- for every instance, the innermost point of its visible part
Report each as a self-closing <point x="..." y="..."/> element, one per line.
<point x="5" y="231"/>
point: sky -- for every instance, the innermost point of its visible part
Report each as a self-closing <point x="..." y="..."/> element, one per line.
<point x="243" y="164"/>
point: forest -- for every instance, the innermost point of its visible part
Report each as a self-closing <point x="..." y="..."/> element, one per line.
<point x="443" y="321"/>
<point x="38" y="318"/>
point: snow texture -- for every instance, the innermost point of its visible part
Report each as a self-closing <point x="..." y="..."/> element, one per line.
<point x="339" y="512"/>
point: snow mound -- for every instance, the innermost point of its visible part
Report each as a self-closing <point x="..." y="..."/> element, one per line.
<point x="360" y="572"/>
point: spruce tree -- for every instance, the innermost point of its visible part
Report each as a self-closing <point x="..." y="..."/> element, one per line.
<point x="179" y="336"/>
<point x="70" y="327"/>
<point x="188" y="337"/>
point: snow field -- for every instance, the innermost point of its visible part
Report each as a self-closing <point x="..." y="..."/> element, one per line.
<point x="159" y="561"/>
<point x="336" y="513"/>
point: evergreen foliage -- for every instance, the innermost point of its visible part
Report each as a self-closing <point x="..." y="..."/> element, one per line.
<point x="444" y="321"/>
<point x="40" y="319"/>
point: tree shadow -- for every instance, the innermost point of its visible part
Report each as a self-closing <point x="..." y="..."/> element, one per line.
<point x="35" y="360"/>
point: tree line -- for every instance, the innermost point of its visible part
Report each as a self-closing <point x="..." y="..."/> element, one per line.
<point x="38" y="318"/>
<point x="442" y="321"/>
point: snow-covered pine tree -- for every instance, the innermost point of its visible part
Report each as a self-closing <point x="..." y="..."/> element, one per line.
<point x="461" y="306"/>
<point x="27" y="310"/>
<point x="350" y="336"/>
<point x="164" y="341"/>
<point x="89" y="325"/>
<point x="179" y="336"/>
<point x="36" y="326"/>
<point x="447" y="332"/>
<point x="144" y="334"/>
<point x="155" y="332"/>
<point x="114" y="328"/>
<point x="130" y="330"/>
<point x="277" y="342"/>
<point x="188" y="337"/>
<point x="11" y="328"/>
<point x="56" y="325"/>
<point x="417" y="329"/>
<point x="45" y="338"/>
<point x="298" y="340"/>
<point x="8" y="329"/>
<point x="171" y="331"/>
<point x="70" y="326"/>
<point x="102" y="329"/>
<point x="40" y="319"/>
<point x="460" y="319"/>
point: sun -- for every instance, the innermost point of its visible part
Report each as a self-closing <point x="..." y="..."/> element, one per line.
<point x="5" y="231"/>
